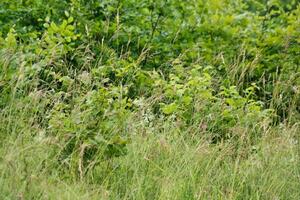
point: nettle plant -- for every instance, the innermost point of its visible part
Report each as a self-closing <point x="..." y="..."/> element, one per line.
<point x="60" y="35"/>
<point x="189" y="97"/>
<point x="183" y="89"/>
<point x="90" y="113"/>
<point x="92" y="127"/>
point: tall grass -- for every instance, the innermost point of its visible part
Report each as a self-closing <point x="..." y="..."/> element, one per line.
<point x="162" y="162"/>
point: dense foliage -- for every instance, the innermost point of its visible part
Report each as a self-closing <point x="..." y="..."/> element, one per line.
<point x="84" y="78"/>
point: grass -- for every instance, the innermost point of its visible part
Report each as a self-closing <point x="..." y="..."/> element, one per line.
<point x="162" y="162"/>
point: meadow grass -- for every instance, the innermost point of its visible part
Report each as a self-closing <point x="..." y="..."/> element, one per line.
<point x="162" y="162"/>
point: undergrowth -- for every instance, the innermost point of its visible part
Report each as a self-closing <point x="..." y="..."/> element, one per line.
<point x="149" y="99"/>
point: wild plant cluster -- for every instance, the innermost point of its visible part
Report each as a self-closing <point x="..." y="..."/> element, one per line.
<point x="85" y="78"/>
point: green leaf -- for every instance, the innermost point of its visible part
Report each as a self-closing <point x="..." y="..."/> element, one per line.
<point x="169" y="109"/>
<point x="67" y="13"/>
<point x="70" y="19"/>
